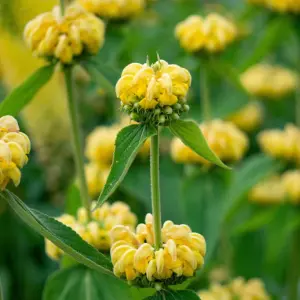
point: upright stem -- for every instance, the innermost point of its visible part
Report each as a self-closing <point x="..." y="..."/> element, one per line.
<point x="297" y="109"/>
<point x="77" y="141"/>
<point x="62" y="7"/>
<point x="155" y="189"/>
<point x="204" y="94"/>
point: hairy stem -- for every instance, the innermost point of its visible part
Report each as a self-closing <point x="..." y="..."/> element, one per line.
<point x="77" y="141"/>
<point x="155" y="189"/>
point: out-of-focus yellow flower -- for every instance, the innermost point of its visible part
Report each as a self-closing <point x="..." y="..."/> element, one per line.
<point x="269" y="191"/>
<point x="134" y="256"/>
<point x="224" y="138"/>
<point x="14" y="148"/>
<point x="114" y="9"/>
<point x="267" y="81"/>
<point x="282" y="6"/>
<point x="212" y="34"/>
<point x="283" y="144"/>
<point x="248" y="118"/>
<point x="100" y="146"/>
<point x="291" y="183"/>
<point x="219" y="274"/>
<point x="252" y="289"/>
<point x="65" y="37"/>
<point x="96" y="177"/>
<point x="155" y="93"/>
<point x="95" y="231"/>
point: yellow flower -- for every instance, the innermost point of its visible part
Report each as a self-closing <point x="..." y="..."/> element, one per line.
<point x="114" y="9"/>
<point x="283" y="144"/>
<point x="156" y="93"/>
<point x="133" y="253"/>
<point x="14" y="148"/>
<point x="282" y="6"/>
<point x="290" y="181"/>
<point x="224" y="138"/>
<point x="269" y="191"/>
<point x="212" y="34"/>
<point x="237" y="289"/>
<point x="96" y="177"/>
<point x="267" y="81"/>
<point x="64" y="37"/>
<point x="95" y="231"/>
<point x="248" y="118"/>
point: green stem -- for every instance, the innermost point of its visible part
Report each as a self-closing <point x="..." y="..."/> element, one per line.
<point x="77" y="144"/>
<point x="155" y="190"/>
<point x="204" y="95"/>
<point x="62" y="7"/>
<point x="294" y="269"/>
<point x="297" y="110"/>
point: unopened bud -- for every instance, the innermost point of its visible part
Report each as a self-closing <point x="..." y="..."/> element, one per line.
<point x="168" y="110"/>
<point x="162" y="119"/>
<point x="186" y="107"/>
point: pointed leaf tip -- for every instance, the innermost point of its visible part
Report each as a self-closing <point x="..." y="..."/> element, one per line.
<point x="129" y="140"/>
<point x="190" y="134"/>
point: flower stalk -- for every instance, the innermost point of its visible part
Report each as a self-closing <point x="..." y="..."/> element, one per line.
<point x="204" y="95"/>
<point x="62" y="7"/>
<point x="155" y="190"/>
<point x="77" y="141"/>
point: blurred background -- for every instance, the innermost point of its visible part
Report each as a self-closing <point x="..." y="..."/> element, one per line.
<point x="245" y="238"/>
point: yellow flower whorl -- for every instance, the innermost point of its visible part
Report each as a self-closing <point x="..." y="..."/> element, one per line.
<point x="212" y="34"/>
<point x="224" y="138"/>
<point x="65" y="37"/>
<point x="282" y="6"/>
<point x="282" y="144"/>
<point x="271" y="82"/>
<point x="291" y="183"/>
<point x="238" y="288"/>
<point x="114" y="9"/>
<point x="134" y="257"/>
<point x="96" y="231"/>
<point x="155" y="93"/>
<point x="14" y="148"/>
<point x="248" y="118"/>
<point x="269" y="191"/>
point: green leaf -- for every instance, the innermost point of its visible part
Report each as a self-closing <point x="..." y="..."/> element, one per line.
<point x="24" y="93"/>
<point x="73" y="201"/>
<point x="85" y="284"/>
<point x="102" y="73"/>
<point x="62" y="236"/>
<point x="268" y="41"/>
<point x="174" y="295"/>
<point x="191" y="135"/>
<point x="128" y="143"/>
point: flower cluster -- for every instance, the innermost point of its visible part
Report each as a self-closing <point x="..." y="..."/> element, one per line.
<point x="114" y="9"/>
<point x="224" y="138"/>
<point x="100" y="147"/>
<point x="269" y="191"/>
<point x="282" y="144"/>
<point x="278" y="189"/>
<point x="154" y="94"/>
<point x="212" y="34"/>
<point x="14" y="148"/>
<point x="95" y="231"/>
<point x="267" y="81"/>
<point x="238" y="288"/>
<point x="248" y="118"/>
<point x="282" y="6"/>
<point x="51" y="35"/>
<point x="135" y="258"/>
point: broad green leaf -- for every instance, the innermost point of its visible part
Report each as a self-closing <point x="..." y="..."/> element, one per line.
<point x="62" y="236"/>
<point x="80" y="283"/>
<point x="191" y="135"/>
<point x="174" y="295"/>
<point x="24" y="93"/>
<point x="128" y="142"/>
<point x="258" y="220"/>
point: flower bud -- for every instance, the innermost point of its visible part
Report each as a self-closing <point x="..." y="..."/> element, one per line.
<point x="51" y="35"/>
